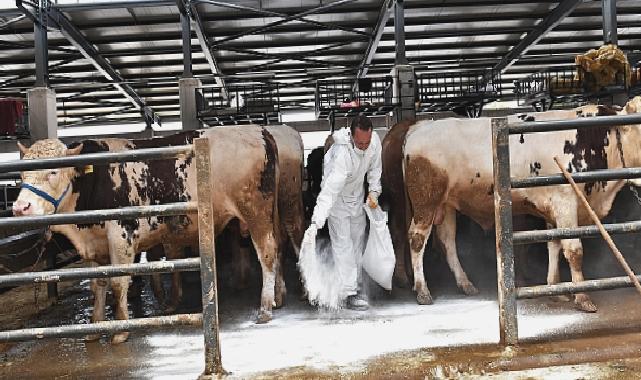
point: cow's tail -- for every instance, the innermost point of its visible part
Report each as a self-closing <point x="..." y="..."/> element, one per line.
<point x="272" y="167"/>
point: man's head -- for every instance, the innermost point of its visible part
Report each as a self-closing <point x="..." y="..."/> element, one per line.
<point x="361" y="129"/>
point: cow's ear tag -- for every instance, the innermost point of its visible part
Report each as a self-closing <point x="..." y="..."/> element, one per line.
<point x="88" y="169"/>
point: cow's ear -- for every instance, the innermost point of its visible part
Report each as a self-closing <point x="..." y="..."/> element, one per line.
<point x="74" y="151"/>
<point x="634" y="105"/>
<point x="23" y="149"/>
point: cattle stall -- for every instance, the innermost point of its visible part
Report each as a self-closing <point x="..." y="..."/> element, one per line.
<point x="206" y="263"/>
<point x="506" y="238"/>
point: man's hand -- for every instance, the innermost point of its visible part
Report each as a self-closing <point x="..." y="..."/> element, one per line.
<point x="372" y="200"/>
<point x="310" y="233"/>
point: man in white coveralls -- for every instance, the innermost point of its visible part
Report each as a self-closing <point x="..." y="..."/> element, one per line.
<point x="356" y="152"/>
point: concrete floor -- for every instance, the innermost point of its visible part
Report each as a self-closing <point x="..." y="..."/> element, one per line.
<point x="454" y="338"/>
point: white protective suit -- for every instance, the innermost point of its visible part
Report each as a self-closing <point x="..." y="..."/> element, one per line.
<point x="341" y="202"/>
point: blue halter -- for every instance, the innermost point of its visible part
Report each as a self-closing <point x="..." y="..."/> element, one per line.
<point x="55" y="202"/>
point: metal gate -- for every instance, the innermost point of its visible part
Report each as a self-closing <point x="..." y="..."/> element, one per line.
<point x="506" y="237"/>
<point x="206" y="263"/>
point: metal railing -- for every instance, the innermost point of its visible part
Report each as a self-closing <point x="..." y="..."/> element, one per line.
<point x="573" y="86"/>
<point x="253" y="103"/>
<point x="206" y="262"/>
<point x="456" y="91"/>
<point x="370" y="96"/>
<point x="506" y="237"/>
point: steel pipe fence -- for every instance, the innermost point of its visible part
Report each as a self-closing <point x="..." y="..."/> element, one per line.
<point x="506" y="238"/>
<point x="94" y="216"/>
<point x="100" y="327"/>
<point x="206" y="262"/>
<point x="97" y="158"/>
<point x="23" y="278"/>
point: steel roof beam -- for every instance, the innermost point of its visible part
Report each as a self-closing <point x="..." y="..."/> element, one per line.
<point x="265" y="12"/>
<point x="76" y="38"/>
<point x="192" y="9"/>
<point x="547" y="24"/>
<point x="377" y="33"/>
<point x="609" y="22"/>
<point x="89" y="51"/>
<point x="286" y="19"/>
<point x="399" y="32"/>
<point x="38" y="16"/>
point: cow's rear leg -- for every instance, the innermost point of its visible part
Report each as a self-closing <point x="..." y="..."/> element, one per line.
<point x="446" y="233"/>
<point x="398" y="227"/>
<point x="554" y="249"/>
<point x="267" y="250"/>
<point x="156" y="253"/>
<point x="573" y="252"/>
<point x="418" y="235"/>
<point x="174" y="252"/>
<point x="280" y="291"/>
<point x="240" y="245"/>
<point x="572" y="248"/>
<point x="120" y="252"/>
<point x="120" y="286"/>
<point x="99" y="290"/>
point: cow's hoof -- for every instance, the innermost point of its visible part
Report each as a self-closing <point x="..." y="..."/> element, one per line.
<point x="264" y="317"/>
<point x="424" y="299"/>
<point x="119" y="338"/>
<point x="469" y="289"/>
<point x="584" y="303"/>
<point x="92" y="337"/>
<point x="279" y="300"/>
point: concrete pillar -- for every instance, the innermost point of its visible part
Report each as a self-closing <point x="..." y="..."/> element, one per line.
<point x="43" y="121"/>
<point x="188" y="103"/>
<point x="404" y="92"/>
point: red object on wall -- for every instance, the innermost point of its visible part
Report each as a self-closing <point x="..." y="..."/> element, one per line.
<point x="11" y="111"/>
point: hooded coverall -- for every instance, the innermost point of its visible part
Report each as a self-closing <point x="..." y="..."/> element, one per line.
<point x="341" y="200"/>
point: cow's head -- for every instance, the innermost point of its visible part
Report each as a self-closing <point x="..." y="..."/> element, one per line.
<point x="632" y="107"/>
<point x="42" y="191"/>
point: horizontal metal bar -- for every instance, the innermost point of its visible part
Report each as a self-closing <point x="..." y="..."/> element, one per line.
<point x="582" y="177"/>
<point x="574" y="287"/>
<point x="180" y="265"/>
<point x="10" y="176"/>
<point x="22" y="236"/>
<point x="96" y="158"/>
<point x="580" y="122"/>
<point x="94" y="216"/>
<point x="541" y="236"/>
<point x="100" y="327"/>
<point x="114" y="5"/>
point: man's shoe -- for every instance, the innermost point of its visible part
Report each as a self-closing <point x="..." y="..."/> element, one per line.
<point x="356" y="303"/>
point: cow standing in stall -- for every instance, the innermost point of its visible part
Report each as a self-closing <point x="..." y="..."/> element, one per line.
<point x="246" y="190"/>
<point x="447" y="166"/>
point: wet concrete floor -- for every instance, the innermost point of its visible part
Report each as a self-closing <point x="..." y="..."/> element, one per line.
<point x="454" y="338"/>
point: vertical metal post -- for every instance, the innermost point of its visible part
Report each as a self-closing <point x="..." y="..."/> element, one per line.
<point x="206" y="246"/>
<point x="185" y="24"/>
<point x="399" y="32"/>
<point x="503" y="219"/>
<point x="40" y="45"/>
<point x="52" y="287"/>
<point x="332" y="121"/>
<point x="609" y="10"/>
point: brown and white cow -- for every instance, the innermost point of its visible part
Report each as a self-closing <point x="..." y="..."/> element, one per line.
<point x="290" y="205"/>
<point x="447" y="166"/>
<point x="245" y="165"/>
